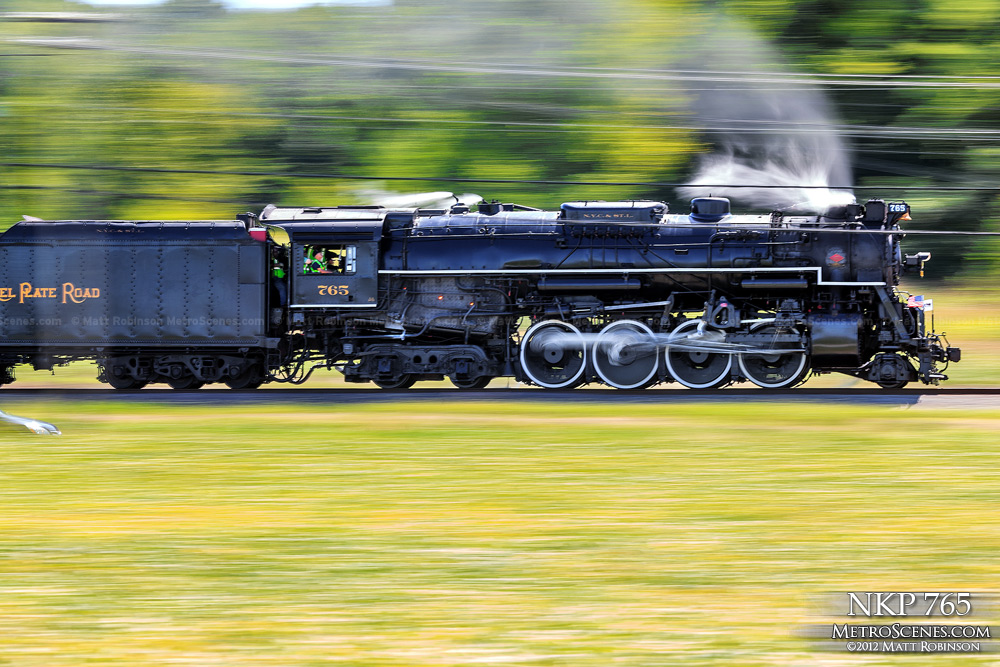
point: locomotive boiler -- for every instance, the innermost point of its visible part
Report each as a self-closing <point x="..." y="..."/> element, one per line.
<point x="624" y="294"/>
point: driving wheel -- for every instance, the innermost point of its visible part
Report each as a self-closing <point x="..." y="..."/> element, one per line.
<point x="693" y="366"/>
<point x="625" y="355"/>
<point x="553" y="354"/>
<point x="776" y="368"/>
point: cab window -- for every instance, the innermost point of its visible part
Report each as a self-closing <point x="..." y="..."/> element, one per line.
<point x="330" y="259"/>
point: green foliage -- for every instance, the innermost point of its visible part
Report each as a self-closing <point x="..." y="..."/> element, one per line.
<point x="418" y="89"/>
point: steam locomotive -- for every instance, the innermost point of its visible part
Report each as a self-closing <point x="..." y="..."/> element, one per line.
<point x="620" y="293"/>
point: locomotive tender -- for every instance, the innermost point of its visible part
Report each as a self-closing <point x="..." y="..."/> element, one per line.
<point x="620" y="293"/>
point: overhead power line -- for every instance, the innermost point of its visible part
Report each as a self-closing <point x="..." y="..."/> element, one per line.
<point x="868" y="80"/>
<point x="508" y="181"/>
<point x="715" y="126"/>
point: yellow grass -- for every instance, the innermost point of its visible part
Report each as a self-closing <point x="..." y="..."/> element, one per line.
<point x="426" y="534"/>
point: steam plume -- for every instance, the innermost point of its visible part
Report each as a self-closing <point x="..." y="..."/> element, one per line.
<point x="767" y="136"/>
<point x="440" y="199"/>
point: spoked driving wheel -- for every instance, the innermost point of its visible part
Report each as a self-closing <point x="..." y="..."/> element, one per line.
<point x="625" y="355"/>
<point x="553" y="354"/>
<point x="775" y="368"/>
<point x="692" y="362"/>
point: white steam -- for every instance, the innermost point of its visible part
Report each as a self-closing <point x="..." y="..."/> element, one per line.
<point x="769" y="135"/>
<point x="440" y="199"/>
<point x="771" y="176"/>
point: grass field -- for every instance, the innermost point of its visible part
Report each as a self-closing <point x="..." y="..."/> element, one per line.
<point x="530" y="534"/>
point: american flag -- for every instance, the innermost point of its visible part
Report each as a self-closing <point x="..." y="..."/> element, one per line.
<point x="915" y="301"/>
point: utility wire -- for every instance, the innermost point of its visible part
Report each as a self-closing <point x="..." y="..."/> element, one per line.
<point x="700" y="225"/>
<point x="367" y="88"/>
<point x="512" y="181"/>
<point x="885" y="81"/>
<point x="721" y="125"/>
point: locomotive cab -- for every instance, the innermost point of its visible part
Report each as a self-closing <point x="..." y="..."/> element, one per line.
<point x="334" y="265"/>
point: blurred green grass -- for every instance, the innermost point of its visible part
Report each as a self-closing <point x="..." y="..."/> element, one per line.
<point x="430" y="534"/>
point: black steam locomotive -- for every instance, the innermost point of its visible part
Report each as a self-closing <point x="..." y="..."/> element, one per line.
<point x="619" y="293"/>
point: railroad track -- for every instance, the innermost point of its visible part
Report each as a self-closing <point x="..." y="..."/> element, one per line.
<point x="932" y="396"/>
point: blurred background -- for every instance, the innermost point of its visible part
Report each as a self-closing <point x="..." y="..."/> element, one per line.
<point x="194" y="109"/>
<point x="282" y="532"/>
